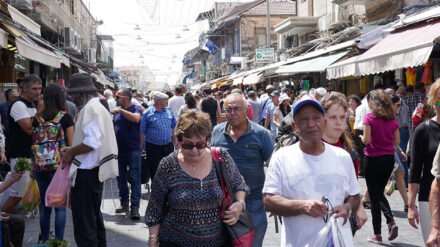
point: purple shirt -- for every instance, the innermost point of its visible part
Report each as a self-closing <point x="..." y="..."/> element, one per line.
<point x="382" y="136"/>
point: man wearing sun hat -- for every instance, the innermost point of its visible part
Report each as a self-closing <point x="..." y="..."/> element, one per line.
<point x="310" y="180"/>
<point x="93" y="155"/>
<point x="157" y="126"/>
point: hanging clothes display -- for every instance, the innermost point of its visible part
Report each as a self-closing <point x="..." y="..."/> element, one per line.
<point x="427" y="73"/>
<point x="411" y="75"/>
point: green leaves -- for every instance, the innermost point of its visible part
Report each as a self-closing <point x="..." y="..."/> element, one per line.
<point x="22" y="165"/>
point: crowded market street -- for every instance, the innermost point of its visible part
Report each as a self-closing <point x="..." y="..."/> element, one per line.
<point x="123" y="232"/>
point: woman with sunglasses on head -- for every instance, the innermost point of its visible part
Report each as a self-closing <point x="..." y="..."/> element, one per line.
<point x="186" y="196"/>
<point x="381" y="134"/>
<point x="424" y="145"/>
<point x="336" y="134"/>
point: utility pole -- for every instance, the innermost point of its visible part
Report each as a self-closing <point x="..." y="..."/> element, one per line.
<point x="268" y="24"/>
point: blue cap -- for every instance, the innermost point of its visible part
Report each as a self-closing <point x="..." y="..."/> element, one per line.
<point x="306" y="100"/>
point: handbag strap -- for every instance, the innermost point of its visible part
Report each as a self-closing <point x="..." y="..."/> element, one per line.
<point x="221" y="172"/>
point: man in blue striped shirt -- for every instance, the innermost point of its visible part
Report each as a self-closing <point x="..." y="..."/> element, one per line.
<point x="157" y="126"/>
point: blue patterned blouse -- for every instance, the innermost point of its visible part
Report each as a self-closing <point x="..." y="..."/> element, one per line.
<point x="188" y="209"/>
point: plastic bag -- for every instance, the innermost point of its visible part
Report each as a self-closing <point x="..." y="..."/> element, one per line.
<point x="330" y="235"/>
<point x="31" y="197"/>
<point x="390" y="187"/>
<point x="417" y="115"/>
<point x="58" y="192"/>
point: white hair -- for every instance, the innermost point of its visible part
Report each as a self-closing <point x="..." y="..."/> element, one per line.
<point x="108" y="92"/>
<point x="237" y="94"/>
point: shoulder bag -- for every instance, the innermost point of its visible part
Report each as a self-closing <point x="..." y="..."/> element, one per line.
<point x="242" y="232"/>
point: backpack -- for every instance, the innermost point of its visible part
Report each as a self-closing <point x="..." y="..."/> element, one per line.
<point x="47" y="140"/>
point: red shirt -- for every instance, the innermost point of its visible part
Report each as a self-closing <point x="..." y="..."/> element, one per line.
<point x="355" y="162"/>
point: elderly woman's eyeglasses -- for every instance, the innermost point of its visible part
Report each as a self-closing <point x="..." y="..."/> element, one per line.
<point x="190" y="145"/>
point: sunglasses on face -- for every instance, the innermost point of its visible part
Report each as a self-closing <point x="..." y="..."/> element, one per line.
<point x="190" y="145"/>
<point x="437" y="103"/>
<point x="118" y="97"/>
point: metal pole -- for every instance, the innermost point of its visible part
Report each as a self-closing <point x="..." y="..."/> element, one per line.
<point x="268" y="24"/>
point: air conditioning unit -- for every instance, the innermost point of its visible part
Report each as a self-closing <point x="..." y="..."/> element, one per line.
<point x="91" y="55"/>
<point x="77" y="42"/>
<point x="69" y="37"/>
<point x="72" y="42"/>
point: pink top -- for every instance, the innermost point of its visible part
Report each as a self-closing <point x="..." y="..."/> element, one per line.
<point x="382" y="136"/>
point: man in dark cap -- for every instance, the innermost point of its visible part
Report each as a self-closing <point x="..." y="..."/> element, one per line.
<point x="93" y="155"/>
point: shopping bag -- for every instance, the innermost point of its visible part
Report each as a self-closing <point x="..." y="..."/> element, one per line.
<point x="58" y="192"/>
<point x="329" y="236"/>
<point x="390" y="187"/>
<point x="31" y="197"/>
<point x="417" y="115"/>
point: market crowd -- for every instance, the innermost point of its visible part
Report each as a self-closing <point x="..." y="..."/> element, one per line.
<point x="204" y="155"/>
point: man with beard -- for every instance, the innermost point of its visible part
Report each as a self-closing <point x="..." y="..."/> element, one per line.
<point x="94" y="159"/>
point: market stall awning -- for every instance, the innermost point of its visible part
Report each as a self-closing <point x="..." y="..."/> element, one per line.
<point x="318" y="64"/>
<point x="342" y="68"/>
<point x="407" y="47"/>
<point x="102" y="80"/>
<point x="3" y="39"/>
<point x="238" y="80"/>
<point x="25" y="21"/>
<point x="253" y="78"/>
<point x="28" y="48"/>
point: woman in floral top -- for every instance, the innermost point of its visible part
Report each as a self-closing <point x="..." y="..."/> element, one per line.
<point x="186" y="197"/>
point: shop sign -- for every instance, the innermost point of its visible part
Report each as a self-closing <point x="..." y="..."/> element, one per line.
<point x="265" y="55"/>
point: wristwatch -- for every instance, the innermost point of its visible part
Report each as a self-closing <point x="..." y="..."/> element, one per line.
<point x="243" y="203"/>
<point x="153" y="237"/>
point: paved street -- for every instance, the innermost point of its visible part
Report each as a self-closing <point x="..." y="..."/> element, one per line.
<point x="121" y="231"/>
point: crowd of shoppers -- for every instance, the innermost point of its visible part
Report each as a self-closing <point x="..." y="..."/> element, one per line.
<point x="335" y="140"/>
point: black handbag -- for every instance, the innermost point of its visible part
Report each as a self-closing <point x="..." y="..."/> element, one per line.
<point x="242" y="232"/>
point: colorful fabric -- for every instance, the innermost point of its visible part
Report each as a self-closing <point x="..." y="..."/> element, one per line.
<point x="411" y="75"/>
<point x="47" y="140"/>
<point x="427" y="73"/>
<point x="158" y="126"/>
<point x="188" y="209"/>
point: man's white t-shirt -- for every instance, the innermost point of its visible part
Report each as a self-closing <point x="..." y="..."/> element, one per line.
<point x="174" y="103"/>
<point x="19" y="111"/>
<point x="294" y="174"/>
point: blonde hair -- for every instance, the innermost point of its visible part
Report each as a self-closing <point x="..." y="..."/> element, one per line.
<point x="335" y="98"/>
<point x="432" y="92"/>
<point x="193" y="124"/>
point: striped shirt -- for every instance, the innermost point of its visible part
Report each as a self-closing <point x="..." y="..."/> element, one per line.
<point x="158" y="126"/>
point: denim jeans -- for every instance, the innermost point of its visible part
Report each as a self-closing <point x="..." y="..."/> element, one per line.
<point x="404" y="138"/>
<point x="259" y="219"/>
<point x="130" y="171"/>
<point x="43" y="181"/>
